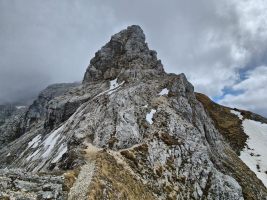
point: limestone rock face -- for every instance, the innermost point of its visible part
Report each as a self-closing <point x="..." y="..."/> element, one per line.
<point x="42" y="108"/>
<point x="126" y="55"/>
<point x="11" y="127"/>
<point x="130" y="131"/>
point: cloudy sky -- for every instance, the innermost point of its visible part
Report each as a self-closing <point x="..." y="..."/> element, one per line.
<point x="221" y="45"/>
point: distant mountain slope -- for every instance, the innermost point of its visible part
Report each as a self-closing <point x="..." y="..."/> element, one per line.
<point x="11" y="118"/>
<point x="246" y="132"/>
<point x="129" y="131"/>
<point x="229" y="125"/>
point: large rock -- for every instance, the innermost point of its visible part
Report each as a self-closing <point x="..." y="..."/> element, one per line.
<point x="11" y="127"/>
<point x="126" y="54"/>
<point x="18" y="184"/>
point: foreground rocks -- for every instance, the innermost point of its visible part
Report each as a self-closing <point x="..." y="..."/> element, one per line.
<point x="18" y="184"/>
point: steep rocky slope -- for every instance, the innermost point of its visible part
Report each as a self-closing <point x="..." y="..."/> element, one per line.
<point x="129" y="131"/>
<point x="228" y="123"/>
<point x="245" y="131"/>
<point x="10" y="123"/>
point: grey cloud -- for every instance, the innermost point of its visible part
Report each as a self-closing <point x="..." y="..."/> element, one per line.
<point x="210" y="41"/>
<point x="43" y="42"/>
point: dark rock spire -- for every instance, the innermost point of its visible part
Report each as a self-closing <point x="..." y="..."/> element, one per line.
<point x="126" y="54"/>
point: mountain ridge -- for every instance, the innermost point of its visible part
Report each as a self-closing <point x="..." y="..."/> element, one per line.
<point x="130" y="130"/>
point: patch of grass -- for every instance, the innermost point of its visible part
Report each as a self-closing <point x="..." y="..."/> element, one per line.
<point x="113" y="181"/>
<point x="169" y="140"/>
<point x="69" y="179"/>
<point x="228" y="124"/>
<point x="141" y="148"/>
<point x="128" y="154"/>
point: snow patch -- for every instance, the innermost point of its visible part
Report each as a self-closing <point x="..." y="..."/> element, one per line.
<point x="62" y="149"/>
<point x="149" y="116"/>
<point x="255" y="154"/>
<point x="51" y="141"/>
<point x="20" y="107"/>
<point x="114" y="86"/>
<point x="34" y="142"/>
<point x="165" y="91"/>
<point x="238" y="114"/>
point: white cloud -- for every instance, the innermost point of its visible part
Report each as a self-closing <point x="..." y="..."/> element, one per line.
<point x="210" y="41"/>
<point x="254" y="92"/>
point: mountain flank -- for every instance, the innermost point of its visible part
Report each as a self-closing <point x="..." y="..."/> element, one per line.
<point x="128" y="131"/>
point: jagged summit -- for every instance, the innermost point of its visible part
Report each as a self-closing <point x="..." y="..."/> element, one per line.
<point x="126" y="55"/>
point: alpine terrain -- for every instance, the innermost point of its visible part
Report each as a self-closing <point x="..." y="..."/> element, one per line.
<point x="130" y="131"/>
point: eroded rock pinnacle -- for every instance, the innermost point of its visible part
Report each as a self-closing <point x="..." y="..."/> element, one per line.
<point x="126" y="54"/>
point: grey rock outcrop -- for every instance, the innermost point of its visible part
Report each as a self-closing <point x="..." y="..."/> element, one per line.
<point x="11" y="118"/>
<point x="126" y="54"/>
<point x="130" y="131"/>
<point x="18" y="184"/>
<point x="40" y="109"/>
<point x="5" y="112"/>
<point x="16" y="120"/>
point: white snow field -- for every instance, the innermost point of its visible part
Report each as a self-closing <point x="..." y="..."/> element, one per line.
<point x="254" y="155"/>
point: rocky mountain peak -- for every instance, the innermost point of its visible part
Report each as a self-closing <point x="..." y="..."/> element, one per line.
<point x="126" y="55"/>
<point x="130" y="131"/>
